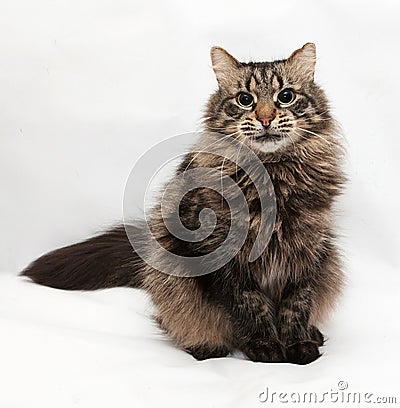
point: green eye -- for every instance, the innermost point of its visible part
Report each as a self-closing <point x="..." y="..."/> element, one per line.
<point x="286" y="96"/>
<point x="245" y="100"/>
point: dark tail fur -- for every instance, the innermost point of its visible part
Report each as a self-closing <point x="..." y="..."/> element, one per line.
<point x="105" y="261"/>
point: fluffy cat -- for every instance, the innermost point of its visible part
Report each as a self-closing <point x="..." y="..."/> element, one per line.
<point x="270" y="308"/>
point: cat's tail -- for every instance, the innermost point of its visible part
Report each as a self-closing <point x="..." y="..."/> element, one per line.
<point x="104" y="261"/>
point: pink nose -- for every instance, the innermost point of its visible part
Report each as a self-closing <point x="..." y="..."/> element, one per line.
<point x="266" y="121"/>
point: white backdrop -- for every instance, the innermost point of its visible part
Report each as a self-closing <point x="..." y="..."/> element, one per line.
<point x="86" y="87"/>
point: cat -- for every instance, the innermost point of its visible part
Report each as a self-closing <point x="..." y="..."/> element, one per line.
<point x="268" y="309"/>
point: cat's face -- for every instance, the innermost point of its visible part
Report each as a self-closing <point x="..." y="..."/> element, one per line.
<point x="271" y="106"/>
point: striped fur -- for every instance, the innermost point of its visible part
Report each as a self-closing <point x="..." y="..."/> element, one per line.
<point x="270" y="308"/>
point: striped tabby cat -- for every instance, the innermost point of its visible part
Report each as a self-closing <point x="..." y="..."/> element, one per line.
<point x="269" y="309"/>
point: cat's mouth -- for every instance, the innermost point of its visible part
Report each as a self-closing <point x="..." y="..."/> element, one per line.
<point x="268" y="137"/>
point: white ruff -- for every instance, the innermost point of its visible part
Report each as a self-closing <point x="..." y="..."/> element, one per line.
<point x="271" y="146"/>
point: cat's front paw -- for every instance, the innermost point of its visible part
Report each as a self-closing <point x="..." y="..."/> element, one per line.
<point x="204" y="351"/>
<point x="302" y="352"/>
<point x="265" y="351"/>
<point x="316" y="336"/>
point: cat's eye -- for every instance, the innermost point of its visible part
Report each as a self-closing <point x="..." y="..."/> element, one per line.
<point x="245" y="100"/>
<point x="286" y="96"/>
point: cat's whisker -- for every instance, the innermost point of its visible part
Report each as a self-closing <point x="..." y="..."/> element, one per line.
<point x="303" y="137"/>
<point x="314" y="117"/>
<point x="203" y="119"/>
<point x="315" y="134"/>
<point x="211" y="144"/>
<point x="314" y="114"/>
<point x="291" y="139"/>
<point x="216" y="128"/>
<point x="317" y="118"/>
<point x="299" y="135"/>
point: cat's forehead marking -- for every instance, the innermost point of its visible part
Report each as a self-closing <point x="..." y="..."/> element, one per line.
<point x="263" y="79"/>
<point x="254" y="80"/>
<point x="277" y="82"/>
<point x="253" y="84"/>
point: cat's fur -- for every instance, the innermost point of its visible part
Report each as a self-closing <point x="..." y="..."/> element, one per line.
<point x="269" y="309"/>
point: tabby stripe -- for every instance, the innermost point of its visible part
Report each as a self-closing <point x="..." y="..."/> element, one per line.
<point x="279" y="79"/>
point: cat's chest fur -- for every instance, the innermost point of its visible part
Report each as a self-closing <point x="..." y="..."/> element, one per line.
<point x="301" y="226"/>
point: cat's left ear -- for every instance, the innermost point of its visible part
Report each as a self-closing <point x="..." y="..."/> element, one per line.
<point x="225" y="66"/>
<point x="303" y="61"/>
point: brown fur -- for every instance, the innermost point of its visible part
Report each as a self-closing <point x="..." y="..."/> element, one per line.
<point x="269" y="308"/>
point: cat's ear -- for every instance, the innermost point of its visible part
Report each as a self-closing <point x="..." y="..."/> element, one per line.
<point x="303" y="61"/>
<point x="225" y="66"/>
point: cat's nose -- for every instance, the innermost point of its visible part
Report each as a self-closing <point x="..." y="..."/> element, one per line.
<point x="266" y="121"/>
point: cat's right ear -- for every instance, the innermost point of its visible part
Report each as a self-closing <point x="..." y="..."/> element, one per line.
<point x="224" y="65"/>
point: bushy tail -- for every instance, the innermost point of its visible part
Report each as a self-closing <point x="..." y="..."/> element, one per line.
<point x="105" y="261"/>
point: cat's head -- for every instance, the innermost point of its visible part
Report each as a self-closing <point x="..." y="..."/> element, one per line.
<point x="271" y="106"/>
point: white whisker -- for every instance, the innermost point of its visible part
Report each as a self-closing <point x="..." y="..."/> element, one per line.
<point x="200" y="151"/>
<point x="291" y="139"/>
<point x="315" y="134"/>
<point x="314" y="115"/>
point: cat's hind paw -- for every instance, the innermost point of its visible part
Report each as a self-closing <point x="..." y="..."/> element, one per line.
<point x="303" y="352"/>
